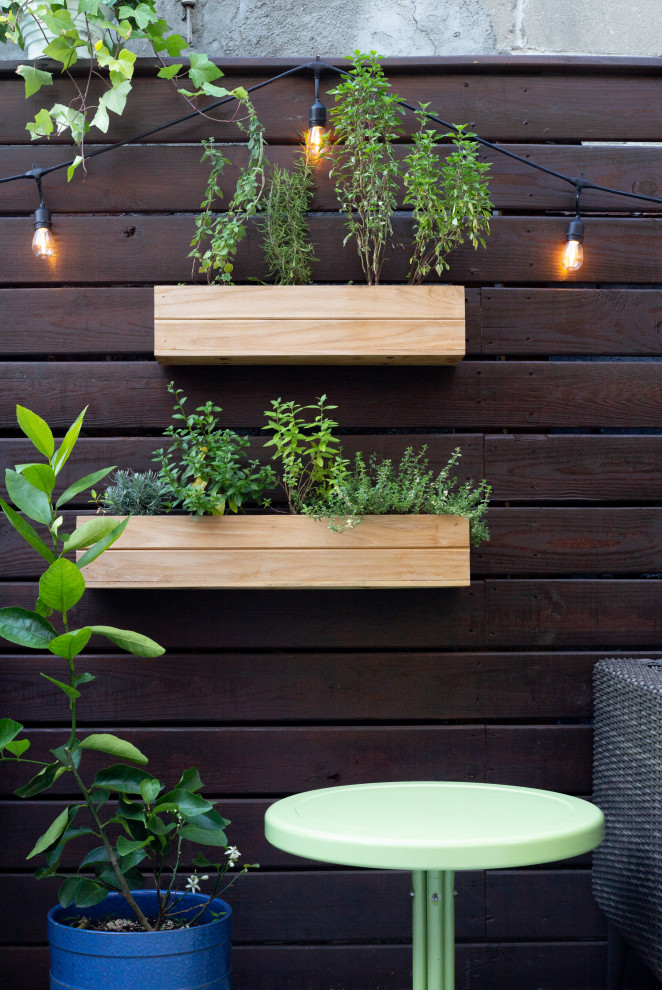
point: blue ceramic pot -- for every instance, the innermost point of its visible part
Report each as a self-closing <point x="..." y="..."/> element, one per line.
<point x="183" y="959"/>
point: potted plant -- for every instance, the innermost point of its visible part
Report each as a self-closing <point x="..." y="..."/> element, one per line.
<point x="296" y="322"/>
<point x="64" y="31"/>
<point x="107" y="931"/>
<point x="387" y="526"/>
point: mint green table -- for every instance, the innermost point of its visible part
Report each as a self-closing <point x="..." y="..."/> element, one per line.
<point x="433" y="828"/>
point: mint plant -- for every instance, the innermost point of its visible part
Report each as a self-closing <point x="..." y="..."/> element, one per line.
<point x="206" y="468"/>
<point x="135" y="820"/>
<point x="308" y="452"/>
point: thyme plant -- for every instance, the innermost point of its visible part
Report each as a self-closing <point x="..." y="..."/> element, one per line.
<point x="379" y="487"/>
<point x="366" y="121"/>
<point x="286" y="238"/>
<point x="450" y="205"/>
<point x="134" y="819"/>
<point x="308" y="452"/>
<point x="218" y="235"/>
<point x="206" y="467"/>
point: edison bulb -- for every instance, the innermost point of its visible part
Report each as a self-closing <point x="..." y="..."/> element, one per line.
<point x="315" y="144"/>
<point x="573" y="255"/>
<point x="43" y="244"/>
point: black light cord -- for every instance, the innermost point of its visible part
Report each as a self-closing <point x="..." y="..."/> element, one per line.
<point x="316" y="67"/>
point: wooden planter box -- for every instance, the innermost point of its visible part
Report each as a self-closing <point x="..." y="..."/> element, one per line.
<point x="309" y="324"/>
<point x="283" y="551"/>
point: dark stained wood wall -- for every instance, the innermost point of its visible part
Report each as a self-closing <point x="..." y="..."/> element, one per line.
<point x="557" y="404"/>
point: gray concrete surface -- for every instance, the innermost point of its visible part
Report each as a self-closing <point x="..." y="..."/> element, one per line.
<point x="418" y="27"/>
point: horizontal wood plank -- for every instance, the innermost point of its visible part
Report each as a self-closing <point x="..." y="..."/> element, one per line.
<point x="554" y="757"/>
<point x="574" y="468"/>
<point x="133" y="179"/>
<point x="143" y="249"/>
<point x="132" y="396"/>
<point x="541" y="904"/>
<point x="385" y="619"/>
<point x="613" y="615"/>
<point x="309" y="687"/>
<point x="519" y="966"/>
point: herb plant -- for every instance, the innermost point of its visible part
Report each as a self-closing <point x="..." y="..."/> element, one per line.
<point x="134" y="493"/>
<point x="206" y="467"/>
<point x="145" y="824"/>
<point x="308" y="452"/>
<point x="375" y="488"/>
<point x="366" y="121"/>
<point x="450" y="204"/>
<point x="218" y="235"/>
<point x="286" y="238"/>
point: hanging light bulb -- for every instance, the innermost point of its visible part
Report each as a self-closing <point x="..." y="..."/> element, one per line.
<point x="316" y="124"/>
<point x="43" y="244"/>
<point x="573" y="253"/>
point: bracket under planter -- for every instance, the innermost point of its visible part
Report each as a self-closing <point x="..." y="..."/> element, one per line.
<point x="309" y="324"/>
<point x="284" y="551"/>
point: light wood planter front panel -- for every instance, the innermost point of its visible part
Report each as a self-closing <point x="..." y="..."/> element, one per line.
<point x="272" y="551"/>
<point x="309" y="324"/>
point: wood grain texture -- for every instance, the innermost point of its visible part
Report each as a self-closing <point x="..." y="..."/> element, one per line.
<point x="147" y="249"/>
<point x="310" y="687"/>
<point x="574" y="468"/>
<point x="520" y="395"/>
<point x="205" y="620"/>
<point x="133" y="180"/>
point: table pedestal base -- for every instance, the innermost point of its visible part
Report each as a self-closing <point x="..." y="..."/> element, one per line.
<point x="433" y="930"/>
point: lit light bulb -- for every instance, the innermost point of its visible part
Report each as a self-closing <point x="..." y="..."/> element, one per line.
<point x="315" y="143"/>
<point x="43" y="244"/>
<point x="573" y="253"/>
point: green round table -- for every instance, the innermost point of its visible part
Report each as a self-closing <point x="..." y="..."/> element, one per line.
<point x="433" y="828"/>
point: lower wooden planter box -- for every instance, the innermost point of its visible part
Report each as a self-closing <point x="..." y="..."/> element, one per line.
<point x="283" y="551"/>
<point x="309" y="324"/>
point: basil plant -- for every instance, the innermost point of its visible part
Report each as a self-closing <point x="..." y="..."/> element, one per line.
<point x="124" y="813"/>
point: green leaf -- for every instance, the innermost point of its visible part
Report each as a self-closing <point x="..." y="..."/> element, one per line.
<point x="53" y="832"/>
<point x="130" y="862"/>
<point x="41" y="476"/>
<point x="168" y="71"/>
<point x="99" y="796"/>
<point x="129" y="811"/>
<point x="96" y="528"/>
<point x="97" y="855"/>
<point x="41" y="781"/>
<point x="204" y="837"/>
<point x="119" y="777"/>
<point x="158" y="826"/>
<point x="62" y="49"/>
<point x="74" y="165"/>
<point x="98" y="548"/>
<point x="80" y="486"/>
<point x="69" y="645"/>
<point x="29" y="534"/>
<point x="101" y="120"/>
<point x="83" y="679"/>
<point x="212" y="90"/>
<point x="70" y="692"/>
<point x="61" y="456"/>
<point x="34" y="80"/>
<point x="104" y="742"/>
<point x="27" y="498"/>
<point x="186" y="803"/>
<point x="9" y="729"/>
<point x="81" y="892"/>
<point x="42" y="609"/>
<point x="126" y="846"/>
<point x="190" y="780"/>
<point x="202" y="70"/>
<point x="62" y="585"/>
<point x="25" y="628"/>
<point x="35" y="428"/>
<point x="41" y="126"/>
<point x="18" y="746"/>
<point x="175" y="45"/>
<point x="132" y="642"/>
<point x="241" y="94"/>
<point x="150" y="790"/>
<point x="115" y="99"/>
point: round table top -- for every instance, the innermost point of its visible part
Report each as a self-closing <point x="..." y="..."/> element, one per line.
<point x="434" y="825"/>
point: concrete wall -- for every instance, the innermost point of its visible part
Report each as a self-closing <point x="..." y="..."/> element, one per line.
<point x="419" y="27"/>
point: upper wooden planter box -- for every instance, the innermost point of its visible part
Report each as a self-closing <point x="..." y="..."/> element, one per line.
<point x="309" y="324"/>
<point x="283" y="551"/>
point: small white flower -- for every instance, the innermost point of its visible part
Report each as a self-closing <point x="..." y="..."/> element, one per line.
<point x="193" y="884"/>
<point x="233" y="855"/>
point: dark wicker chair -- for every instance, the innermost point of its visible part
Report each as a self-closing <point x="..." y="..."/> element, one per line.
<point x="627" y="868"/>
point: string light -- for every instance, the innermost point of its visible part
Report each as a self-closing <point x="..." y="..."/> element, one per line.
<point x="317" y="131"/>
<point x="314" y="149"/>
<point x="43" y="245"/>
